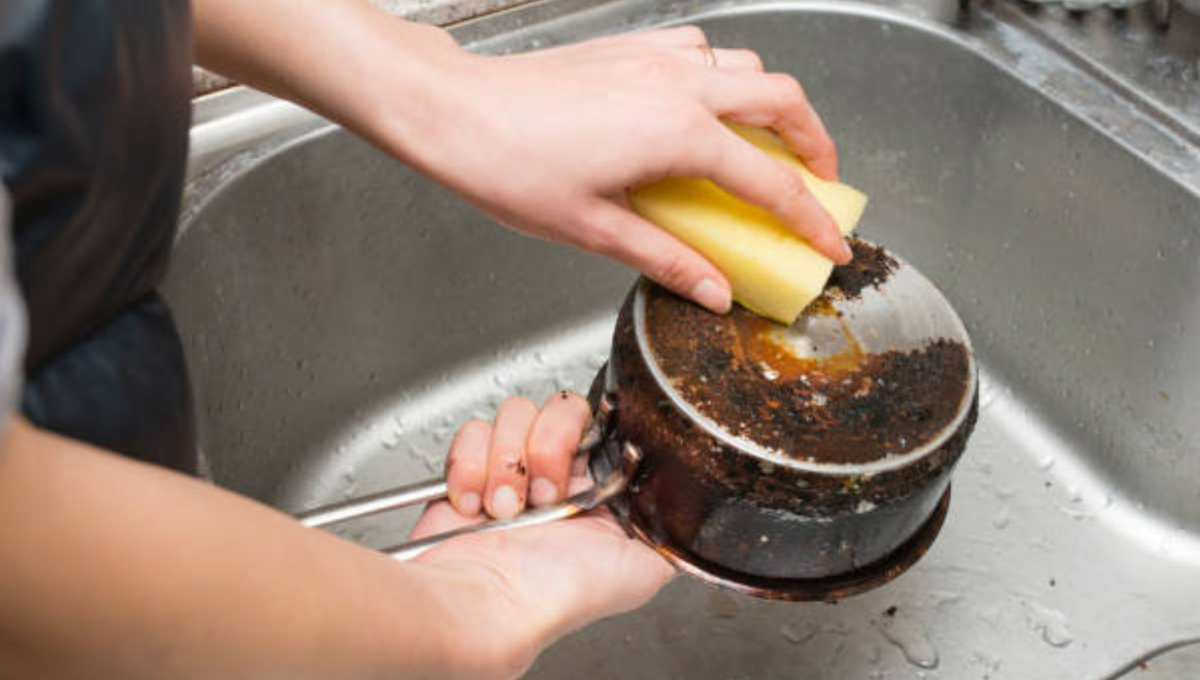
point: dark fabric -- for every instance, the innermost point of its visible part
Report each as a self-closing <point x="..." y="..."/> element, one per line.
<point x="124" y="389"/>
<point x="94" y="114"/>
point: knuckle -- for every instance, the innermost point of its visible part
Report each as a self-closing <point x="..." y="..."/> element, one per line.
<point x="466" y="474"/>
<point x="789" y="90"/>
<point x="751" y="58"/>
<point x="792" y="189"/>
<point x="671" y="269"/>
<point x="658" y="66"/>
<point x="467" y="462"/>
<point x="693" y="123"/>
<point x="511" y="461"/>
<point x="693" y="34"/>
<point x="826" y="147"/>
<point x="544" y="454"/>
<point x="601" y="237"/>
<point x="538" y="453"/>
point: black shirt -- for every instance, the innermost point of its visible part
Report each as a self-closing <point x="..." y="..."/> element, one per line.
<point x="94" y="115"/>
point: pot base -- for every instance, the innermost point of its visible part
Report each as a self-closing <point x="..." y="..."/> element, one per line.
<point x="804" y="589"/>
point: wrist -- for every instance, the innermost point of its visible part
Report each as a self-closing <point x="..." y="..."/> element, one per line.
<point x="406" y="84"/>
<point x="484" y="630"/>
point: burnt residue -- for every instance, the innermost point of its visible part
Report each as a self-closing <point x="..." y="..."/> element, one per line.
<point x="870" y="268"/>
<point x="849" y="406"/>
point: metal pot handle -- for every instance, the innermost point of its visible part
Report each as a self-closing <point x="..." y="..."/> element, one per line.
<point x="435" y="489"/>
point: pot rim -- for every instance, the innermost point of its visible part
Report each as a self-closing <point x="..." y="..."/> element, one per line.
<point x="774" y="457"/>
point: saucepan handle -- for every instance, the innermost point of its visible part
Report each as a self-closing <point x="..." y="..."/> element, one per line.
<point x="603" y="491"/>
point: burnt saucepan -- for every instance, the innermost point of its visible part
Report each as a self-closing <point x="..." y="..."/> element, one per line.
<point x="802" y="462"/>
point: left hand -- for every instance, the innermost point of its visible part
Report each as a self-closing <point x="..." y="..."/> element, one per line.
<point x="546" y="581"/>
<point x="548" y="142"/>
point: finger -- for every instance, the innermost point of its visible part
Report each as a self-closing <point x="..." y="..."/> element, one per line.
<point x="678" y="36"/>
<point x="750" y="174"/>
<point x="440" y="517"/>
<point x="738" y="61"/>
<point x="777" y="101"/>
<point x="627" y="238"/>
<point x="466" y="467"/>
<point x="579" y="470"/>
<point x="552" y="445"/>
<point x="735" y="61"/>
<point x="507" y="475"/>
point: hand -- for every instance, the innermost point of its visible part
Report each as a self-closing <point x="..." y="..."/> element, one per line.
<point x="544" y="581"/>
<point x="548" y="142"/>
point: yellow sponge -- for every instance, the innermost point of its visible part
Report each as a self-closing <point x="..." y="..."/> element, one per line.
<point x="773" y="271"/>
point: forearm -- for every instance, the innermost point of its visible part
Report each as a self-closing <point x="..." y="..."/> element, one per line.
<point x="110" y="568"/>
<point x="344" y="59"/>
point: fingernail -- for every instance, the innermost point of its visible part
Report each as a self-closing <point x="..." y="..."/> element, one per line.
<point x="847" y="253"/>
<point x="468" y="504"/>
<point x="712" y="296"/>
<point x="505" y="503"/>
<point x="542" y="491"/>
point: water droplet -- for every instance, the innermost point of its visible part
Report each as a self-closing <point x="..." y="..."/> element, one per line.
<point x="944" y="598"/>
<point x="798" y="634"/>
<point x="1050" y="623"/>
<point x="987" y="394"/>
<point x="722" y="605"/>
<point x="1002" y="519"/>
<point x="392" y="439"/>
<point x="911" y="640"/>
<point x="988" y="661"/>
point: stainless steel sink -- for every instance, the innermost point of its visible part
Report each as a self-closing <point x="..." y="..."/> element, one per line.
<point x="342" y="315"/>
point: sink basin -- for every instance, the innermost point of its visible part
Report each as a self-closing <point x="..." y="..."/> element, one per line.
<point x="342" y="316"/>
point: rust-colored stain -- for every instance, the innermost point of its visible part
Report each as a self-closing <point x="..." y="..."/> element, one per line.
<point x="761" y="342"/>
<point x="841" y="406"/>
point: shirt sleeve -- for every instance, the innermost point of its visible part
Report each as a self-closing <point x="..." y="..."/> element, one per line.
<point x="12" y="320"/>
